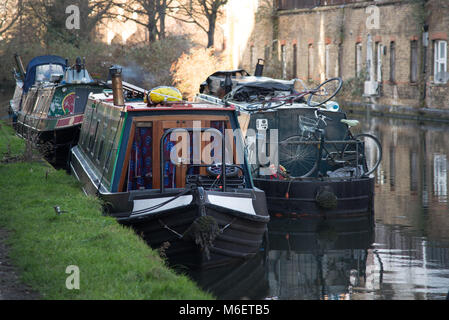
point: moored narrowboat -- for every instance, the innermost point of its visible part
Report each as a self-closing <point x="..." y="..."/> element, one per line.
<point x="180" y="202"/>
<point x="321" y="168"/>
<point x="48" y="103"/>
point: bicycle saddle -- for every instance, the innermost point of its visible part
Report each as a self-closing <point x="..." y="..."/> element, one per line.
<point x="350" y="123"/>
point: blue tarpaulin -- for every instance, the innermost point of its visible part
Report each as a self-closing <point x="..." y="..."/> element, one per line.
<point x="30" y="75"/>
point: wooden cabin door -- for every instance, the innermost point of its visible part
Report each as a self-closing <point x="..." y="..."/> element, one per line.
<point x="179" y="167"/>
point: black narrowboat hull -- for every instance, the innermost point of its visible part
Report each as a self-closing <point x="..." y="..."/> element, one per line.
<point x="298" y="198"/>
<point x="241" y="216"/>
<point x="54" y="144"/>
<point x="239" y="237"/>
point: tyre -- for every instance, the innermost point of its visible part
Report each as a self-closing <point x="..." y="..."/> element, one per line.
<point x="371" y="153"/>
<point x="324" y="92"/>
<point x="299" y="155"/>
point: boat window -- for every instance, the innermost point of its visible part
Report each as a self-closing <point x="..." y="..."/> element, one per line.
<point x="93" y="137"/>
<point x="44" y="72"/>
<point x="100" y="149"/>
<point x="142" y="167"/>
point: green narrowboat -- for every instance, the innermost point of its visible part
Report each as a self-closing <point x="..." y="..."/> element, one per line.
<point x="49" y="100"/>
<point x="127" y="156"/>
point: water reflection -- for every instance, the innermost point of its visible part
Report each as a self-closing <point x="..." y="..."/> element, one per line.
<point x="403" y="254"/>
<point x="242" y="280"/>
<point x="318" y="258"/>
<point x="411" y="252"/>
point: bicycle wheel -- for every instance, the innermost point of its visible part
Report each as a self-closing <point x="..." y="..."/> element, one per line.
<point x="371" y="152"/>
<point x="299" y="155"/>
<point x="324" y="92"/>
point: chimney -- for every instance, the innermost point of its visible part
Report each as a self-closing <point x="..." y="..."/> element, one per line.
<point x="117" y="88"/>
<point x="20" y="66"/>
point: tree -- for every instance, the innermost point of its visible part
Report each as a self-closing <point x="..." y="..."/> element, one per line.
<point x="155" y="13"/>
<point x="203" y="13"/>
<point x="10" y="12"/>
<point x="52" y="13"/>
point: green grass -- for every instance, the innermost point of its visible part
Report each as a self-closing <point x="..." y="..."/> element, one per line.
<point x="114" y="262"/>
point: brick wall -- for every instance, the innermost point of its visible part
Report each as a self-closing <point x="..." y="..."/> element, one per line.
<point x="326" y="39"/>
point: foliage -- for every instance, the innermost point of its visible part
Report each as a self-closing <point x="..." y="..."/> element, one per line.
<point x="10" y="12"/>
<point x="144" y="65"/>
<point x="194" y="67"/>
<point x="114" y="262"/>
<point x="354" y="87"/>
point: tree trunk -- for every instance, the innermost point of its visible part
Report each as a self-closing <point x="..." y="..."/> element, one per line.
<point x="211" y="32"/>
<point x="162" y="15"/>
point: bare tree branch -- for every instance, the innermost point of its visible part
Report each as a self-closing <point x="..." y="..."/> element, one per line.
<point x="203" y="13"/>
<point x="6" y="22"/>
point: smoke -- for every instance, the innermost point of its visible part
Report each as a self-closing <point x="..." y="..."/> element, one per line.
<point x="137" y="75"/>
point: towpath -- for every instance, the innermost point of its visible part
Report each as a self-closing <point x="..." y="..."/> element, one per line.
<point x="11" y="288"/>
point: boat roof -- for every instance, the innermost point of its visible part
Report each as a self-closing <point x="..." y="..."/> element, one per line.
<point x="139" y="106"/>
<point x="223" y="73"/>
<point x="38" y="61"/>
<point x="239" y="105"/>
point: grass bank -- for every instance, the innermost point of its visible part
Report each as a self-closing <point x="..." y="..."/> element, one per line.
<point x="113" y="262"/>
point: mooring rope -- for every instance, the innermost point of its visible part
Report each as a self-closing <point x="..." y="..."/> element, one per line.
<point x="162" y="223"/>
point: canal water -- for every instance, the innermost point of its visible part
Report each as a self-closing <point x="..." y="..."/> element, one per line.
<point x="403" y="254"/>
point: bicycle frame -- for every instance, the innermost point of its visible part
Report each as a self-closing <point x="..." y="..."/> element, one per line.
<point x="320" y="141"/>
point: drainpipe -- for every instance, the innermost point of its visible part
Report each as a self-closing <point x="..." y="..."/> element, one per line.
<point x="425" y="42"/>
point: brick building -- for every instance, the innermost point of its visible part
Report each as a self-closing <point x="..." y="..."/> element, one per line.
<point x="392" y="54"/>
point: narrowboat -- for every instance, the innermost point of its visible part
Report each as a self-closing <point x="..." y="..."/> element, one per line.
<point x="172" y="194"/>
<point x="48" y="103"/>
<point x="319" y="167"/>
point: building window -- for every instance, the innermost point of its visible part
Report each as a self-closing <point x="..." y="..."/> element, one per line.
<point x="440" y="61"/>
<point x="267" y="54"/>
<point x="392" y="62"/>
<point x="295" y="60"/>
<point x="414" y="61"/>
<point x="378" y="62"/>
<point x="284" y="62"/>
<point x="309" y="62"/>
<point x="358" y="59"/>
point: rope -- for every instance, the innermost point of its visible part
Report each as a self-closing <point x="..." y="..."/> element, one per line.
<point x="227" y="226"/>
<point x="162" y="223"/>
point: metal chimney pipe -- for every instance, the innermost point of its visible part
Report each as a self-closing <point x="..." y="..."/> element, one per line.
<point x="20" y="66"/>
<point x="117" y="86"/>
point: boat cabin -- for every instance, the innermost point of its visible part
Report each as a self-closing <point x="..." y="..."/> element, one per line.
<point x="52" y="94"/>
<point x="124" y="145"/>
<point x="158" y="168"/>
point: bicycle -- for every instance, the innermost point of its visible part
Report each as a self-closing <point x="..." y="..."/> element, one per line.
<point x="316" y="97"/>
<point x="306" y="153"/>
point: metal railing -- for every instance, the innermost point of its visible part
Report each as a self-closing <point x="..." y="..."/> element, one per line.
<point x="212" y="130"/>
